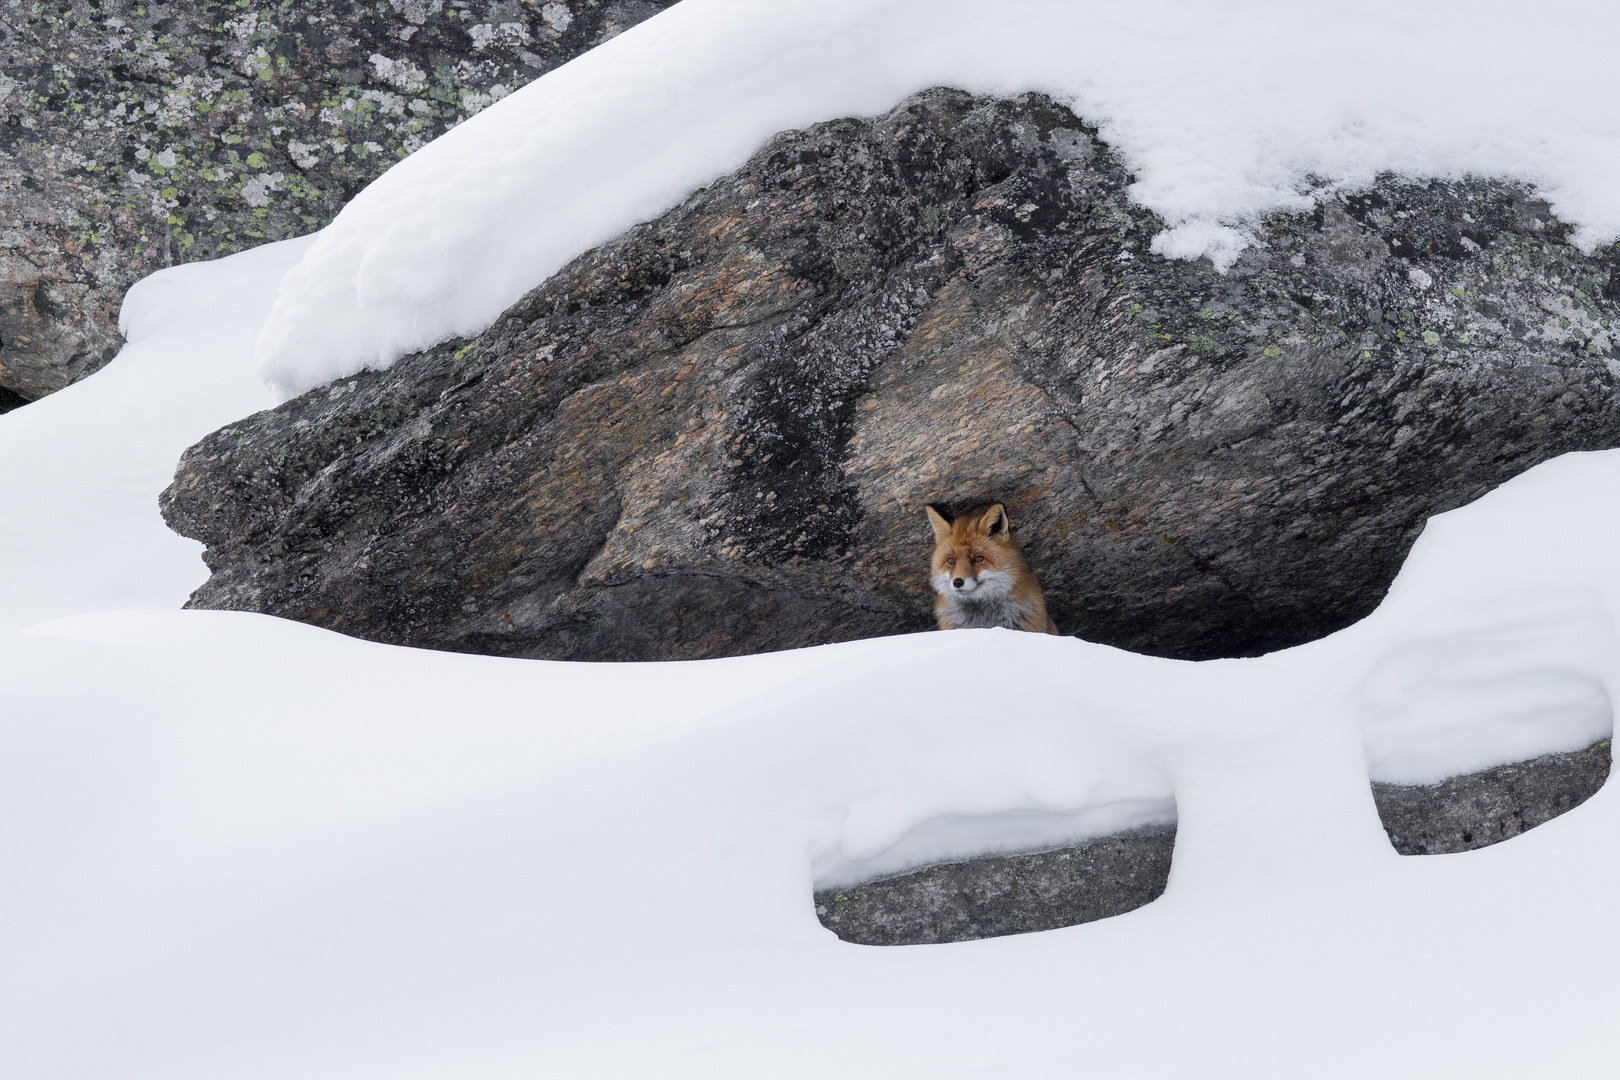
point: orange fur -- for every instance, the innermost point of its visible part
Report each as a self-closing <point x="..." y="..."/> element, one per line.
<point x="980" y="576"/>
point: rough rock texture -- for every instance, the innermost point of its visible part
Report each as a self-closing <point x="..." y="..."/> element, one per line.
<point x="1015" y="894"/>
<point x="134" y="135"/>
<point x="716" y="434"/>
<point x="1485" y="808"/>
<point x="1006" y="894"/>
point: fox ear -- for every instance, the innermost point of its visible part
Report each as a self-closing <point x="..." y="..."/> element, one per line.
<point x="942" y="528"/>
<point x="995" y="523"/>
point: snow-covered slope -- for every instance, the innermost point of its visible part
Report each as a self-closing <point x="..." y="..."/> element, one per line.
<point x="1225" y="110"/>
<point x="239" y="848"/>
<point x="80" y="470"/>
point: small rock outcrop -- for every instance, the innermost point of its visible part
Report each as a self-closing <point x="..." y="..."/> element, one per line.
<point x="1487" y="807"/>
<point x="717" y="433"/>
<point x="137" y="135"/>
<point x="1004" y="894"/>
<point x="1017" y="894"/>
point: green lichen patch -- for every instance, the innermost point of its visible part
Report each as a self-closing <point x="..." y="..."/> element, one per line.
<point x="135" y="136"/>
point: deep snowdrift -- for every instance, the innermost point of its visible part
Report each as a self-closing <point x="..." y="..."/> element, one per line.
<point x="1224" y="111"/>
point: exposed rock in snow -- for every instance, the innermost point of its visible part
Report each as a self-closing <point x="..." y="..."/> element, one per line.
<point x="1004" y="894"/>
<point x="1018" y="894"/>
<point x="1487" y="807"/>
<point x="135" y="136"/>
<point x="48" y="335"/>
<point x="716" y="434"/>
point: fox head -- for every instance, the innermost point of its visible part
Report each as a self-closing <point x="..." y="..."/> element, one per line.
<point x="974" y="557"/>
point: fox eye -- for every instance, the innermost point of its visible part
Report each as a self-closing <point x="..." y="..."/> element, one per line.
<point x="978" y="558"/>
<point x="951" y="561"/>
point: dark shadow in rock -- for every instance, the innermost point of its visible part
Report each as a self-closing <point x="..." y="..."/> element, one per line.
<point x="10" y="399"/>
<point x="1004" y="894"/>
<point x="1483" y="808"/>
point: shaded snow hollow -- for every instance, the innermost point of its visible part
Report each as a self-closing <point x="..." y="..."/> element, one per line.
<point x="1225" y="112"/>
<point x="238" y="847"/>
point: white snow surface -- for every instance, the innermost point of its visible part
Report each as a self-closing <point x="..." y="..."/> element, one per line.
<point x="238" y="848"/>
<point x="81" y="469"/>
<point x="1225" y="110"/>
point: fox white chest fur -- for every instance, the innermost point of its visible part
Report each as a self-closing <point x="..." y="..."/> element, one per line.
<point x="979" y="603"/>
<point x="981" y="578"/>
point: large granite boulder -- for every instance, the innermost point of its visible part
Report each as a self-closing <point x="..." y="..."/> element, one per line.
<point x="717" y="433"/>
<point x="134" y="135"/>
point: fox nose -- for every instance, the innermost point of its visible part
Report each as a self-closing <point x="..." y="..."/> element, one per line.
<point x="957" y="582"/>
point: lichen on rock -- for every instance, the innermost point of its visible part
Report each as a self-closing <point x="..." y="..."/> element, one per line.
<point x="138" y="135"/>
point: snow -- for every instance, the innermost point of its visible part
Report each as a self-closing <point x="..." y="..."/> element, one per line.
<point x="81" y="469"/>
<point x="248" y="848"/>
<point x="237" y="847"/>
<point x="1225" y="112"/>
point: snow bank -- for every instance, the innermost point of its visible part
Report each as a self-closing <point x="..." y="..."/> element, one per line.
<point x="80" y="470"/>
<point x="241" y="848"/>
<point x="382" y="862"/>
<point x="1506" y="611"/>
<point x="1226" y="111"/>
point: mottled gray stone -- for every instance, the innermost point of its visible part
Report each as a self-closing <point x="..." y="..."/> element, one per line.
<point x="1006" y="894"/>
<point x="716" y="434"/>
<point x="1487" y="807"/>
<point x="136" y="134"/>
<point x="1017" y="894"/>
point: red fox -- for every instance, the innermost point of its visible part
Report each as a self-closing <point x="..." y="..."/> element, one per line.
<point x="981" y="578"/>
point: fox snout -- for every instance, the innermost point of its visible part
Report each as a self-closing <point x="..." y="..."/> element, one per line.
<point x="972" y="583"/>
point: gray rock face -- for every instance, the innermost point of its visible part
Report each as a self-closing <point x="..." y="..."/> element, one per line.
<point x="1007" y="894"/>
<point x="1484" y="808"/>
<point x="136" y="135"/>
<point x="1017" y="894"/>
<point x="716" y="434"/>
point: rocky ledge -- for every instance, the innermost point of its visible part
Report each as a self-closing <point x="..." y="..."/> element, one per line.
<point x="1018" y="894"/>
<point x="135" y="134"/>
<point x="717" y="433"/>
<point x="1004" y="894"/>
<point x="1484" y="808"/>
